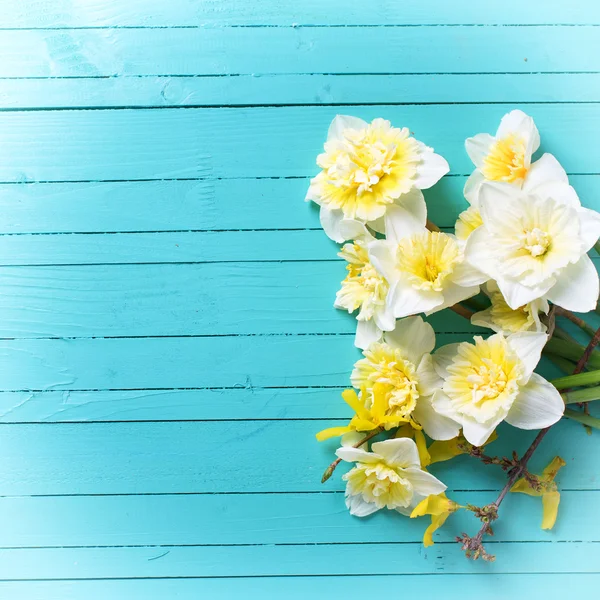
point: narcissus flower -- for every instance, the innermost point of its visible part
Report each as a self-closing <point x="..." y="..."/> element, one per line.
<point x="402" y="366"/>
<point x="502" y="318"/>
<point x="491" y="381"/>
<point x="426" y="270"/>
<point x="440" y="508"/>
<point x="547" y="489"/>
<point x="535" y="246"/>
<point x="388" y="477"/>
<point x="370" y="170"/>
<point x="364" y="289"/>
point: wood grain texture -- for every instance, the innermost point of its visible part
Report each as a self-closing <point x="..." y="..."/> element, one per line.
<point x="169" y="345"/>
<point x="218" y="13"/>
<point x="252" y="142"/>
<point x="285" y="89"/>
<point x="275" y="50"/>
<point x="168" y="457"/>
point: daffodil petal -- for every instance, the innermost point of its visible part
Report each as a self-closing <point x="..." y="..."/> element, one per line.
<point x="367" y="333"/>
<point x="342" y="123"/>
<point x="537" y="405"/>
<point x="578" y="287"/>
<point x="436" y="522"/>
<point x="406" y="217"/>
<point x="358" y="507"/>
<point x="528" y="345"/>
<point x="432" y="168"/>
<point x="550" y="502"/>
<point x="424" y="483"/>
<point x="401" y="452"/>
<point x="436" y="426"/>
<point x="331" y="432"/>
<point x="478" y="147"/>
<point x="413" y="336"/>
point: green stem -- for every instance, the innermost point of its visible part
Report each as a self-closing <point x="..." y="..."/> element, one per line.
<point x="562" y="363"/>
<point x="597" y="246"/>
<point x="571" y="351"/>
<point x="582" y="418"/>
<point x="560" y="333"/>
<point x="584" y="395"/>
<point x="587" y="378"/>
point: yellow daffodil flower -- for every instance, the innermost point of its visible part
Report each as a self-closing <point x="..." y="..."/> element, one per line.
<point x="369" y="170"/>
<point x="547" y="490"/>
<point x="440" y="508"/>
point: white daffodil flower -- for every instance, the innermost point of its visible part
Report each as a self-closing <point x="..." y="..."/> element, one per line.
<point x="504" y="157"/>
<point x="388" y="477"/>
<point x="491" y="381"/>
<point x="364" y="289"/>
<point x="370" y="170"/>
<point x="503" y="319"/>
<point x="425" y="270"/>
<point x="535" y="245"/>
<point x="545" y="177"/>
<point x="402" y="365"/>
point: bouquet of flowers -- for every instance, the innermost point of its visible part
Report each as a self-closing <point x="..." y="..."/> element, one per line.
<point x="523" y="242"/>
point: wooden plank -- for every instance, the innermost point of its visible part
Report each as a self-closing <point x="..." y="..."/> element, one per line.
<point x="259" y="142"/>
<point x="203" y="205"/>
<point x="272" y="50"/>
<point x="189" y="13"/>
<point x="493" y="587"/>
<point x="267" y="90"/>
<point x="180" y="362"/>
<point x="225" y="457"/>
<point x="309" y="518"/>
<point x="187" y="300"/>
<point x="271" y="561"/>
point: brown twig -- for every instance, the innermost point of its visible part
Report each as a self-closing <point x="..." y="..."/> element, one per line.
<point x="472" y="545"/>
<point x="563" y="312"/>
<point x="432" y="226"/>
<point x="463" y="311"/>
<point x="331" y="468"/>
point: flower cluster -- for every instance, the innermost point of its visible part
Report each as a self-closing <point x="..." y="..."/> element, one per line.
<point x="520" y="247"/>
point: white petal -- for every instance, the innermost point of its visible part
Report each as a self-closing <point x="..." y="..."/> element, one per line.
<point x="359" y="507"/>
<point x="367" y="333"/>
<point x="428" y="379"/>
<point x="341" y="123"/>
<point x="407" y="301"/>
<point x="472" y="187"/>
<point x="330" y="222"/>
<point x="406" y="217"/>
<point x="517" y="295"/>
<point x="479" y="252"/>
<point x="466" y="275"/>
<point x="384" y="318"/>
<point x="560" y="191"/>
<point x="478" y="147"/>
<point x="353" y="437"/>
<point x="444" y="357"/>
<point x="538" y="405"/>
<point x="436" y="426"/>
<point x="542" y="171"/>
<point x="413" y="336"/>
<point x="577" y="286"/>
<point x="431" y="169"/>
<point x="589" y="228"/>
<point x="517" y="121"/>
<point x="443" y="406"/>
<point x="351" y="229"/>
<point x="478" y="433"/>
<point x="483" y="318"/>
<point x="398" y="452"/>
<point x="382" y="255"/>
<point x="528" y="345"/>
<point x="424" y="483"/>
<point x="453" y="294"/>
<point x="357" y="455"/>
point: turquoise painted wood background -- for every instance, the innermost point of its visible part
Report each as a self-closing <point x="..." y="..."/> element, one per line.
<point x="168" y="343"/>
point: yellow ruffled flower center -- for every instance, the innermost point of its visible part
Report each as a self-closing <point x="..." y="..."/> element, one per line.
<point x="536" y="242"/>
<point x="380" y="484"/>
<point x="367" y="170"/>
<point x="427" y="259"/>
<point x="363" y="287"/>
<point x="483" y="378"/>
<point x="506" y="160"/>
<point x="385" y="365"/>
<point x="508" y="319"/>
<point x="468" y="221"/>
